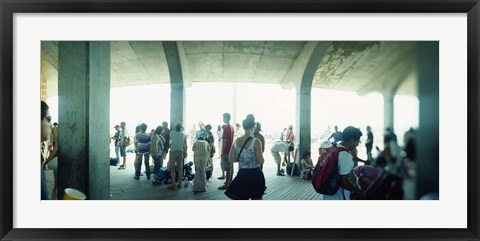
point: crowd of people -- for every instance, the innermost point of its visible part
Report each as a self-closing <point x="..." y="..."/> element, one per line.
<point x="245" y="145"/>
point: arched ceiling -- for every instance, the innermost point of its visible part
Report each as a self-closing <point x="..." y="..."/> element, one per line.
<point x="357" y="66"/>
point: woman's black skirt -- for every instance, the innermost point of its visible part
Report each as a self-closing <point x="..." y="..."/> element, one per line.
<point x="248" y="184"/>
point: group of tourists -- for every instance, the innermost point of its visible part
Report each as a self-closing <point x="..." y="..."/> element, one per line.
<point x="377" y="178"/>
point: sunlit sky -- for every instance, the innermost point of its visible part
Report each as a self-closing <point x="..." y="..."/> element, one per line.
<point x="272" y="106"/>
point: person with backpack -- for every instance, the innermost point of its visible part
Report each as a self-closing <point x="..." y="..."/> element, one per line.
<point x="330" y="176"/>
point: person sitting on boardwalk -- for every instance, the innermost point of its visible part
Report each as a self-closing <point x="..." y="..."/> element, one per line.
<point x="307" y="164"/>
<point x="201" y="152"/>
<point x="247" y="151"/>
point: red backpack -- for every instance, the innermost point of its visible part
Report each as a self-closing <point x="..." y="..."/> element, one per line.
<point x="325" y="177"/>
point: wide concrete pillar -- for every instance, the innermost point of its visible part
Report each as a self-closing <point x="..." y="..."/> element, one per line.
<point x="84" y="118"/>
<point x="388" y="109"/>
<point x="303" y="123"/>
<point x="43" y="87"/>
<point x="427" y="148"/>
<point x="303" y="97"/>
<point x="177" y="83"/>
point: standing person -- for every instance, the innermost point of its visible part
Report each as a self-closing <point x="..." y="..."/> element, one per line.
<point x="211" y="142"/>
<point x="142" y="144"/>
<point x="282" y="134"/>
<point x="123" y="144"/>
<point x="166" y="136"/>
<point x="201" y="152"/>
<point x="220" y="144"/>
<point x="337" y="136"/>
<point x="156" y="151"/>
<point x="227" y="140"/>
<point x="46" y="131"/>
<point x="260" y="137"/>
<point x="52" y="160"/>
<point x="290" y="136"/>
<point x="178" y="145"/>
<point x="117" y="141"/>
<point x="281" y="146"/>
<point x="247" y="151"/>
<point x="201" y="131"/>
<point x="369" y="143"/>
<point x="238" y="131"/>
<point x="350" y="140"/>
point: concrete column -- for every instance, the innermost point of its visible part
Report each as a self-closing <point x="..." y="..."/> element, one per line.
<point x="388" y="109"/>
<point x="177" y="85"/>
<point x="43" y="87"/>
<point x="84" y="118"/>
<point x="427" y="148"/>
<point x="304" y="99"/>
<point x="304" y="125"/>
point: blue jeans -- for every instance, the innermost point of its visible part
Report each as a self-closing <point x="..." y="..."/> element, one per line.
<point x="117" y="152"/>
<point x="138" y="164"/>
<point x="157" y="163"/>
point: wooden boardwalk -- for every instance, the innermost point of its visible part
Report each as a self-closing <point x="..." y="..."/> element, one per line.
<point x="124" y="187"/>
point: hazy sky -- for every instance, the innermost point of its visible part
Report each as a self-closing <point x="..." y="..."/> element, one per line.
<point x="272" y="106"/>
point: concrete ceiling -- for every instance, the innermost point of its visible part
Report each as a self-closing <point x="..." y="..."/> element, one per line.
<point x="362" y="67"/>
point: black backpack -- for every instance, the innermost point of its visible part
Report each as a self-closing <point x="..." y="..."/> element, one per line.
<point x="295" y="171"/>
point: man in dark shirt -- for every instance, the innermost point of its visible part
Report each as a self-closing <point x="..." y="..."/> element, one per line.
<point x="369" y="143"/>
<point x="166" y="135"/>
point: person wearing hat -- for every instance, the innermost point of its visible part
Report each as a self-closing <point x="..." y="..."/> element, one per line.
<point x="116" y="138"/>
<point x="260" y="137"/>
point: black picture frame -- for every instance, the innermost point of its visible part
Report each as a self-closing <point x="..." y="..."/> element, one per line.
<point x="9" y="7"/>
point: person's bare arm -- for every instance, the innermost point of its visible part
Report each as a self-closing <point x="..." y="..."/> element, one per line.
<point x="224" y="142"/>
<point x="344" y="183"/>
<point x="231" y="155"/>
<point x="155" y="147"/>
<point x="185" y="147"/>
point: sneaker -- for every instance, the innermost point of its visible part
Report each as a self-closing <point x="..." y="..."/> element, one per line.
<point x="224" y="187"/>
<point x="280" y="174"/>
<point x="136" y="177"/>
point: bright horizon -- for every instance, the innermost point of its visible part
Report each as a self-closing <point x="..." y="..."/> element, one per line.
<point x="271" y="105"/>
